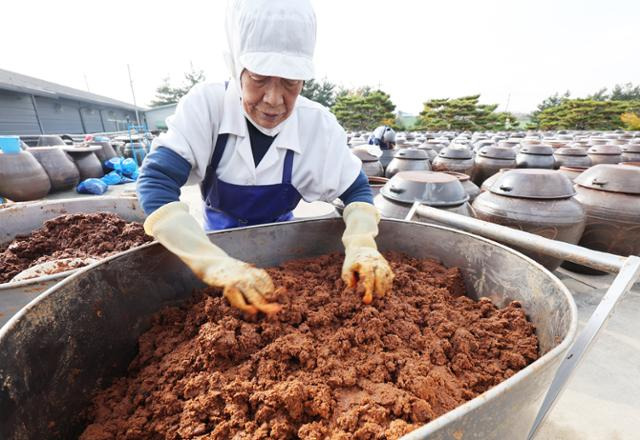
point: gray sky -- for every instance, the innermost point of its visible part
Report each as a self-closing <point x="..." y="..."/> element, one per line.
<point x="416" y="50"/>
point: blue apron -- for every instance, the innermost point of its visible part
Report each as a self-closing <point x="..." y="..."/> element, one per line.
<point x="230" y="206"/>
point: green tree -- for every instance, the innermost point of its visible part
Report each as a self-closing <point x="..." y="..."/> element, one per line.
<point x="551" y="101"/>
<point x="364" y="109"/>
<point x="167" y="94"/>
<point x="586" y="114"/>
<point x="465" y="113"/>
<point x="323" y="92"/>
<point x="625" y="92"/>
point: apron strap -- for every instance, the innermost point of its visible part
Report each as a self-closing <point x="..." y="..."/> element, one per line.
<point x="287" y="170"/>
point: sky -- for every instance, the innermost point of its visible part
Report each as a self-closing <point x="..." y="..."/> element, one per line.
<point x="513" y="53"/>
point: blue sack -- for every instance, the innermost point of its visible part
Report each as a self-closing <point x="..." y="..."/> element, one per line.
<point x="127" y="167"/>
<point x="92" y="186"/>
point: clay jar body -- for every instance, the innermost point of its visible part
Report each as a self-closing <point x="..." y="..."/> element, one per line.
<point x="572" y="172"/>
<point x="22" y="178"/>
<point x="438" y="190"/>
<point x="610" y="195"/>
<point x="605" y="154"/>
<point x="571" y="157"/>
<point x="490" y="160"/>
<point x="537" y="201"/>
<point x="61" y="170"/>
<point x="105" y="152"/>
<point x="631" y="153"/>
<point x="535" y="156"/>
<point x="456" y="158"/>
<point x="86" y="161"/>
<point x="370" y="163"/>
<point x="408" y="159"/>
<point x="471" y="188"/>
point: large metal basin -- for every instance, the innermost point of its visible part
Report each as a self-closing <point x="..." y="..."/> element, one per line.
<point x="80" y="334"/>
<point x="24" y="218"/>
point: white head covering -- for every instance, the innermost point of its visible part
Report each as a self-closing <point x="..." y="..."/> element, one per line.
<point x="271" y="38"/>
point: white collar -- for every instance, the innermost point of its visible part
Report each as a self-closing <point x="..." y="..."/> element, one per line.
<point x="234" y="122"/>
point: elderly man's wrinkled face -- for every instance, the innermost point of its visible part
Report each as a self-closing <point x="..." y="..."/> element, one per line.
<point x="268" y="100"/>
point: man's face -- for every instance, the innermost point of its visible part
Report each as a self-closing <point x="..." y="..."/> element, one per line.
<point x="268" y="100"/>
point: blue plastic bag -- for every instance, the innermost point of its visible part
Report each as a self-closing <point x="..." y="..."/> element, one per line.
<point x="127" y="167"/>
<point x="92" y="186"/>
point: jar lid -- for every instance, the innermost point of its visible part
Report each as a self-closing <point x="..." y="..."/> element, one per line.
<point x="429" y="187"/>
<point x="497" y="153"/>
<point x="631" y="148"/>
<point x="411" y="154"/>
<point x="456" y="153"/>
<point x="533" y="183"/>
<point x="571" y="151"/>
<point x="364" y="155"/>
<point x="612" y="178"/>
<point x="538" y="150"/>
<point x="605" y="149"/>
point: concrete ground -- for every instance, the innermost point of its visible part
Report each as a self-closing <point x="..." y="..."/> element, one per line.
<point x="602" y="401"/>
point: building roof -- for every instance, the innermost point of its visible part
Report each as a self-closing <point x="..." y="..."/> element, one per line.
<point x="17" y="82"/>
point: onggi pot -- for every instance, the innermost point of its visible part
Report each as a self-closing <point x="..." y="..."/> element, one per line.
<point x="535" y="156"/>
<point x="631" y="153"/>
<point x="22" y="178"/>
<point x="61" y="170"/>
<point x="471" y="188"/>
<point x="610" y="195"/>
<point x="86" y="161"/>
<point x="571" y="157"/>
<point x="605" y="154"/>
<point x="370" y="163"/>
<point x="572" y="172"/>
<point x="439" y="190"/>
<point x="408" y="159"/>
<point x="455" y="158"/>
<point x="490" y="160"/>
<point x="534" y="200"/>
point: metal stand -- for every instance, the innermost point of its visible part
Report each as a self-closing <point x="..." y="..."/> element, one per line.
<point x="627" y="268"/>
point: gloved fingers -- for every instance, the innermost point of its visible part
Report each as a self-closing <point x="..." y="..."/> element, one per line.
<point x="236" y="299"/>
<point x="368" y="279"/>
<point x="349" y="276"/>
<point x="255" y="298"/>
<point x="384" y="279"/>
<point x="262" y="282"/>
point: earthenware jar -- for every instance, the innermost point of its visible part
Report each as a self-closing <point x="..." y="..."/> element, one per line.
<point x="631" y="153"/>
<point x="48" y="140"/>
<point x="22" y="178"/>
<point x="439" y="190"/>
<point x="60" y="168"/>
<point x="468" y="185"/>
<point x="425" y="146"/>
<point x="136" y="151"/>
<point x="535" y="156"/>
<point x="105" y="152"/>
<point x="86" y="161"/>
<point x="454" y="158"/>
<point x="571" y="157"/>
<point x="408" y="159"/>
<point x="539" y="201"/>
<point x="370" y="163"/>
<point x="572" y="172"/>
<point x="605" y="154"/>
<point x="490" y="160"/>
<point x="610" y="195"/>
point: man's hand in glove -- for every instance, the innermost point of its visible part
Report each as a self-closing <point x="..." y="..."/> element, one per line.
<point x="180" y="233"/>
<point x="363" y="264"/>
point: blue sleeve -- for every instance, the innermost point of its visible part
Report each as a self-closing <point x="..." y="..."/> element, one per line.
<point x="162" y="175"/>
<point x="359" y="191"/>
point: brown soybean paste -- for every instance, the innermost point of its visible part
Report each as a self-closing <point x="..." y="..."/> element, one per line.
<point x="326" y="366"/>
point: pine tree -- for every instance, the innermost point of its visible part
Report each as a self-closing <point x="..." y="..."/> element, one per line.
<point x="364" y="109"/>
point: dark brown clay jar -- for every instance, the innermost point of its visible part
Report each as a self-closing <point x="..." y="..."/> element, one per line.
<point x="572" y="172"/>
<point x="631" y="153"/>
<point x="535" y="156"/>
<point x="605" y="154"/>
<point x="435" y="189"/>
<point x="408" y="159"/>
<point x="471" y="188"/>
<point x="60" y="168"/>
<point x="455" y="159"/>
<point x="610" y="195"/>
<point x="105" y="152"/>
<point x="537" y="201"/>
<point x="48" y="140"/>
<point x="370" y="163"/>
<point x="490" y="160"/>
<point x="491" y="180"/>
<point x="22" y="178"/>
<point x="571" y="157"/>
<point x="86" y="161"/>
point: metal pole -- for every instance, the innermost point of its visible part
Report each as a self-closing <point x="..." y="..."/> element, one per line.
<point x="525" y="240"/>
<point x="133" y="94"/>
<point x="35" y="109"/>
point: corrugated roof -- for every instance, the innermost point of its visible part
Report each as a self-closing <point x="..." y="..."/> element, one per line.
<point x="17" y="82"/>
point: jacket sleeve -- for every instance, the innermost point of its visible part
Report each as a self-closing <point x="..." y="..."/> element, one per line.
<point x="359" y="191"/>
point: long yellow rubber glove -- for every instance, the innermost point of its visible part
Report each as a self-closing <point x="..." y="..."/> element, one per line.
<point x="362" y="261"/>
<point x="180" y="233"/>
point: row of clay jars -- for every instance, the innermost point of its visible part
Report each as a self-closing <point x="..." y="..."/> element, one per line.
<point x="22" y="178"/>
<point x="538" y="201"/>
<point x="60" y="168"/>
